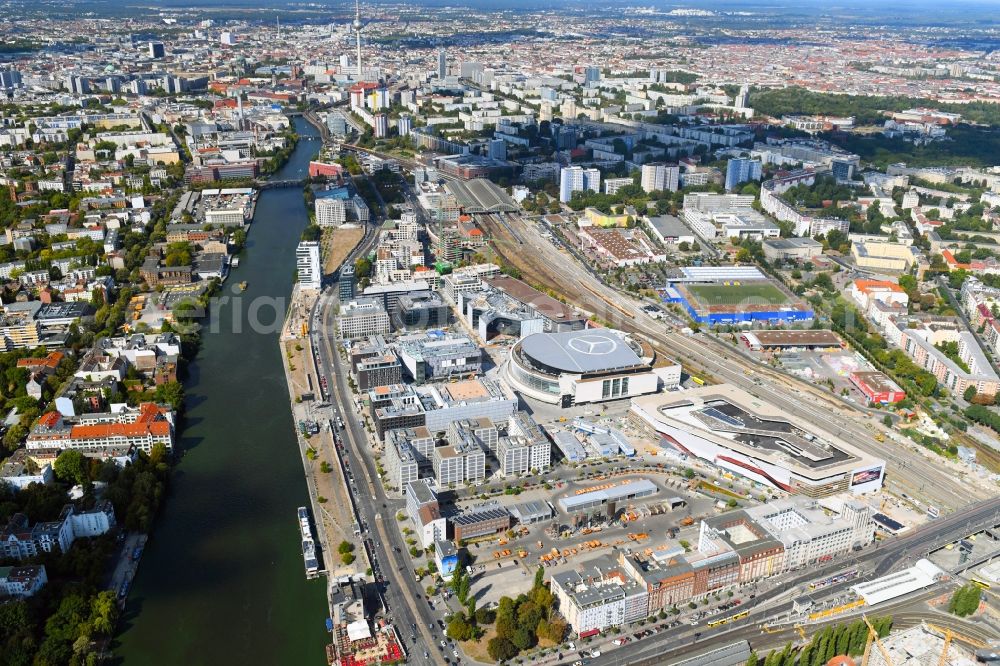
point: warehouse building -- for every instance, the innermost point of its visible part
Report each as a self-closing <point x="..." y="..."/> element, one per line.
<point x="777" y="341"/>
<point x="608" y="500"/>
<point x="878" y="387"/>
<point x="486" y="520"/>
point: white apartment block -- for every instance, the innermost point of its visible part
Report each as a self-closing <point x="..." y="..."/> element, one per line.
<point x="308" y="265"/>
<point x="660" y="177"/>
<point x="577" y="179"/>
<point x="612" y="185"/>
<point x="330" y="212"/>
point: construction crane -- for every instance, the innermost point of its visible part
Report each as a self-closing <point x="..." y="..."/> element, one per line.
<point x="873" y="637"/>
<point x="948" y="636"/>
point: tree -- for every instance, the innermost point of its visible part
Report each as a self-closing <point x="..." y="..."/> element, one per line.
<point x="539" y="578"/>
<point x="965" y="600"/>
<point x="823" y="281"/>
<point x="969" y="393"/>
<point x="72" y="467"/>
<point x="470" y="607"/>
<point x="459" y="628"/>
<point x="501" y="649"/>
<point x="170" y="393"/>
<point x="524" y="638"/>
<point x="557" y="629"/>
<point x="345" y="547"/>
<point x="104" y="613"/>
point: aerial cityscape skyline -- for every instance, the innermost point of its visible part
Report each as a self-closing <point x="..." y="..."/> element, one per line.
<point x="489" y="333"/>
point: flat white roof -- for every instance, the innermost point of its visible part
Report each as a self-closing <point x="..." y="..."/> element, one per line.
<point x="921" y="575"/>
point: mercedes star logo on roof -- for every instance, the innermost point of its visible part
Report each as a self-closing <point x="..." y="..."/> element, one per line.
<point x="593" y="344"/>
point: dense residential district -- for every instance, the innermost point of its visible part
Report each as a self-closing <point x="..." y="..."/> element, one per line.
<point x="619" y="335"/>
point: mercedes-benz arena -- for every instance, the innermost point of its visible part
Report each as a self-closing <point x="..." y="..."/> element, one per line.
<point x="575" y="367"/>
<point x="731" y="429"/>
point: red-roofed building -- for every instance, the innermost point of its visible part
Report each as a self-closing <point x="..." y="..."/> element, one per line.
<point x="864" y="292"/>
<point x="102" y="435"/>
<point x="325" y="169"/>
<point x="954" y="264"/>
<point x="46" y="365"/>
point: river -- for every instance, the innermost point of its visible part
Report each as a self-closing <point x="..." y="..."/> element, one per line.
<point x="222" y="579"/>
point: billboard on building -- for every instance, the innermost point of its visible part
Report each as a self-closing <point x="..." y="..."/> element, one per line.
<point x="866" y="476"/>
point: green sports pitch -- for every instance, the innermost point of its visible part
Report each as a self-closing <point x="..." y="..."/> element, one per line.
<point x="757" y="293"/>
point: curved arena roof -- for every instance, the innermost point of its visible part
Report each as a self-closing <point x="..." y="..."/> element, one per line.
<point x="587" y="351"/>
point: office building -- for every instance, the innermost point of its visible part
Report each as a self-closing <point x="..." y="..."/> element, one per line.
<point x="402" y="463"/>
<point x="599" y="594"/>
<point x="743" y="98"/>
<point x="423" y="509"/>
<point x="524" y="447"/>
<point x="442" y="64"/>
<point x="577" y="179"/>
<point x="104" y="435"/>
<point x="741" y="170"/>
<point x="156" y="50"/>
<point x="346" y="284"/>
<point x="419" y="310"/>
<point x="374" y="365"/>
<point x="9" y="78"/>
<point x="437" y="356"/>
<point x="362" y="318"/>
<point x="308" y="265"/>
<point x="457" y="463"/>
<point x="659" y="177"/>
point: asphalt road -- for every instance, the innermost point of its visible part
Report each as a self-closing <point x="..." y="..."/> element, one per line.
<point x="906" y="613"/>
<point x="887" y="556"/>
<point x="401" y="592"/>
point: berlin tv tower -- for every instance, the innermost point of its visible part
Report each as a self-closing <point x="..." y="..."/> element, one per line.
<point x="357" y="31"/>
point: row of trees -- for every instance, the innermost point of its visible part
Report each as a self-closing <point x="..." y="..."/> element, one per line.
<point x="844" y="639"/>
<point x="983" y="416"/>
<point x="847" y="321"/>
